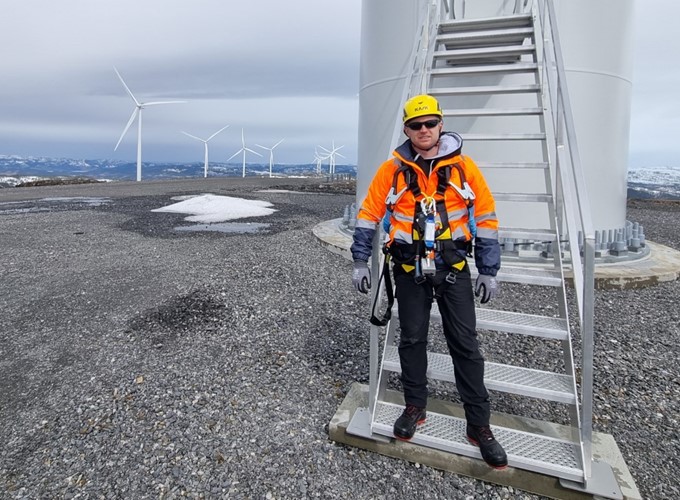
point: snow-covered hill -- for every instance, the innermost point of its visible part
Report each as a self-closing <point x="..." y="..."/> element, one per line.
<point x="661" y="182"/>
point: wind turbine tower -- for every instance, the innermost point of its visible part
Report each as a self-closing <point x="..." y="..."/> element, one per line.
<point x="318" y="159"/>
<point x="137" y="113"/>
<point x="243" y="150"/>
<point x="271" y="155"/>
<point x="205" y="142"/>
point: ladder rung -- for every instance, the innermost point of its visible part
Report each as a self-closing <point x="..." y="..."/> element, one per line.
<point x="524" y="324"/>
<point x="505" y="378"/>
<point x="525" y="67"/>
<point x="526" y="275"/>
<point x="526" y="234"/>
<point x="492" y="36"/>
<point x="493" y="112"/>
<point x="542" y="454"/>
<point x="503" y="137"/>
<point x="510" y="165"/>
<point x="484" y="23"/>
<point x="524" y="197"/>
<point x="484" y="52"/>
<point x="497" y="89"/>
<point x="512" y="322"/>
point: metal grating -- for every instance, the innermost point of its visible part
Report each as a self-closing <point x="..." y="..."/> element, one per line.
<point x="513" y="50"/>
<point x="515" y="20"/>
<point x="506" y="378"/>
<point x="512" y="322"/>
<point x="527" y="234"/>
<point x="527" y="324"/>
<point x="525" y="450"/>
<point x="497" y="112"/>
<point x="485" y="70"/>
<point x="530" y="276"/>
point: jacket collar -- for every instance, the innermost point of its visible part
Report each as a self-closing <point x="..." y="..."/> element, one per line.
<point x="450" y="145"/>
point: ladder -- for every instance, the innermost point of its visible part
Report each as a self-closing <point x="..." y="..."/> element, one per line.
<point x="485" y="71"/>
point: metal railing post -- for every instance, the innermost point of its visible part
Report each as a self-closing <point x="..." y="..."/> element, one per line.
<point x="576" y="206"/>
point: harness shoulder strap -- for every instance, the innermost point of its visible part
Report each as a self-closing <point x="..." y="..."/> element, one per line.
<point x="464" y="191"/>
<point x="411" y="180"/>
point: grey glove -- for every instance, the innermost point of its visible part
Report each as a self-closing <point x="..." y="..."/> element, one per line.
<point x="487" y="287"/>
<point x="361" y="276"/>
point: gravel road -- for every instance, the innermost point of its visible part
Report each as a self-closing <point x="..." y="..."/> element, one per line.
<point x="139" y="361"/>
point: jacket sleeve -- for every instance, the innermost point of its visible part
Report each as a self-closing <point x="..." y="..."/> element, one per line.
<point x="487" y="248"/>
<point x="371" y="212"/>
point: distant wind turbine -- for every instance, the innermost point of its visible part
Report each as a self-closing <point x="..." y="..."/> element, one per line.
<point x="205" y="142"/>
<point x="318" y="159"/>
<point x="243" y="150"/>
<point x="331" y="156"/>
<point x="271" y="154"/>
<point x="137" y="112"/>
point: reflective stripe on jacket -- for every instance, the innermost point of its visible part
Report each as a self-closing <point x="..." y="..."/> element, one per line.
<point x="381" y="193"/>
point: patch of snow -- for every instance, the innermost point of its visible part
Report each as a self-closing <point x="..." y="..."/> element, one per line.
<point x="210" y="208"/>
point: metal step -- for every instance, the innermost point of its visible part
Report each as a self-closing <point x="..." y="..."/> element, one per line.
<point x="526" y="275"/>
<point x="524" y="197"/>
<point x="484" y="90"/>
<point x="486" y="23"/>
<point x="487" y="38"/>
<point x="484" y="53"/>
<point x="475" y="70"/>
<point x="526" y="234"/>
<point x="503" y="137"/>
<point x="498" y="377"/>
<point x="524" y="324"/>
<point x="542" y="454"/>
<point x="511" y="165"/>
<point x="513" y="322"/>
<point x="493" y="112"/>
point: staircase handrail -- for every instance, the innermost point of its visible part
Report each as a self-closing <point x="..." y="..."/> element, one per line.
<point x="571" y="187"/>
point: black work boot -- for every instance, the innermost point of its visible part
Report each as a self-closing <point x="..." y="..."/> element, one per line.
<point x="405" y="426"/>
<point x="492" y="452"/>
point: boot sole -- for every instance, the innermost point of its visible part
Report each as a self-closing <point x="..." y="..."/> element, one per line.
<point x="419" y="422"/>
<point x="497" y="467"/>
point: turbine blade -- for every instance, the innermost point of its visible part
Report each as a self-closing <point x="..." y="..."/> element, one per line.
<point x="161" y="102"/>
<point x="326" y="150"/>
<point x="237" y="152"/>
<point x="248" y="149"/>
<point x="132" y="118"/>
<point x="220" y="130"/>
<point x="277" y="143"/>
<point x="338" y="154"/>
<point x="263" y="147"/>
<point x="193" y="136"/>
<point x="126" y="87"/>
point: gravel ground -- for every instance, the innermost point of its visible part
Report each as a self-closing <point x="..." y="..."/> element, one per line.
<point x="137" y="361"/>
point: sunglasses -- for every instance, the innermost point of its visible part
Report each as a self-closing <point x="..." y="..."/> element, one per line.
<point x="419" y="125"/>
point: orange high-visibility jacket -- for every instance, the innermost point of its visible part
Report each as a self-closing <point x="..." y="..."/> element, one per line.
<point x="403" y="203"/>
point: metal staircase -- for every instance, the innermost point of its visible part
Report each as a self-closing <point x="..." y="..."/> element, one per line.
<point x="485" y="71"/>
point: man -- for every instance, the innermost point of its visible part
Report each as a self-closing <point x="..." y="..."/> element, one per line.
<point x="438" y="205"/>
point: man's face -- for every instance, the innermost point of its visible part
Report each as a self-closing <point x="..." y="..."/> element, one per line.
<point x="424" y="137"/>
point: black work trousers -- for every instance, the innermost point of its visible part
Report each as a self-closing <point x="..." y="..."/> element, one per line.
<point x="457" y="308"/>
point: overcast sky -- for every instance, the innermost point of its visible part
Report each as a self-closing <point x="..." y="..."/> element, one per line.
<point x="280" y="70"/>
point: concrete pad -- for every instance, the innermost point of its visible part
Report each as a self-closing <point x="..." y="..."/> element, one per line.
<point x="661" y="265"/>
<point x="604" y="448"/>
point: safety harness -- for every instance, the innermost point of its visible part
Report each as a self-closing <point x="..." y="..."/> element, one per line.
<point x="419" y="256"/>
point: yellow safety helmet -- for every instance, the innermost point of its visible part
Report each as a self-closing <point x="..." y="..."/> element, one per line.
<point x="421" y="105"/>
